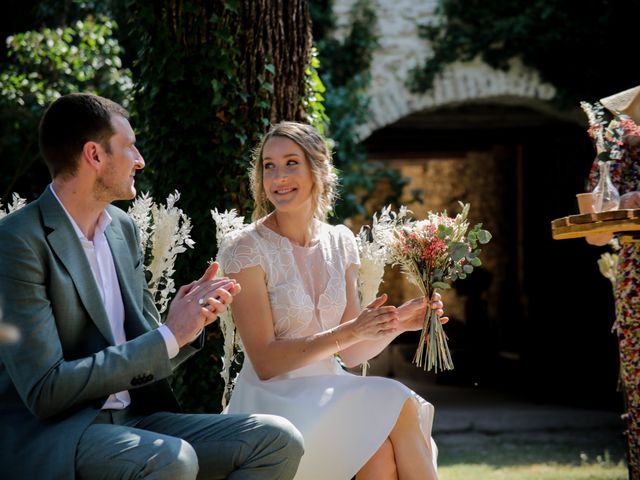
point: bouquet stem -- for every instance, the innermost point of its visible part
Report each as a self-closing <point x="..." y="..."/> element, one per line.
<point x="433" y="344"/>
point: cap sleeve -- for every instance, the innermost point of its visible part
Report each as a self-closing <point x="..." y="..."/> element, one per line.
<point x="349" y="246"/>
<point x="240" y="251"/>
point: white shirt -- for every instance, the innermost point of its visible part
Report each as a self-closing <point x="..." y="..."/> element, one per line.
<point x="104" y="272"/>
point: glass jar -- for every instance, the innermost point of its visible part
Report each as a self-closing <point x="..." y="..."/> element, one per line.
<point x="605" y="195"/>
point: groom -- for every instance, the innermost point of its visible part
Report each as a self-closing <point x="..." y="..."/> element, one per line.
<point x="84" y="393"/>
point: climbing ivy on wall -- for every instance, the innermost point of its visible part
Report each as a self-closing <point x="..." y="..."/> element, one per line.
<point x="585" y="49"/>
<point x="344" y="70"/>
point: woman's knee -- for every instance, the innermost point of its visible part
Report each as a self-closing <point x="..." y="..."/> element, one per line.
<point x="382" y="465"/>
<point x="386" y="456"/>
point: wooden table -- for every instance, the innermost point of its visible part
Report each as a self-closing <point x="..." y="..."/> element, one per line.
<point x="624" y="223"/>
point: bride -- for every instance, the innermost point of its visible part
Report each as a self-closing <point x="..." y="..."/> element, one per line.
<point x="299" y="308"/>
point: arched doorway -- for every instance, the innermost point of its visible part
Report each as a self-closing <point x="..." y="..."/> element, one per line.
<point x="537" y="317"/>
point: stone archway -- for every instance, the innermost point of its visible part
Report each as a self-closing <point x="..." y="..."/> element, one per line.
<point x="401" y="49"/>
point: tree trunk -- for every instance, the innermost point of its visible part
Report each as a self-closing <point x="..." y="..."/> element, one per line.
<point x="210" y="76"/>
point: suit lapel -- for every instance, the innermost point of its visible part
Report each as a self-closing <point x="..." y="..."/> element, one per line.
<point x="66" y="245"/>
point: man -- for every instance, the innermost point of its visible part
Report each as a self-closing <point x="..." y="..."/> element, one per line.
<point x="84" y="393"/>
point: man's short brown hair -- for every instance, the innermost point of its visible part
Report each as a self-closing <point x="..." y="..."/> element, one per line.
<point x="70" y="122"/>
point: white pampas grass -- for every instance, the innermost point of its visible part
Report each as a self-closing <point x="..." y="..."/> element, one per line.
<point x="17" y="203"/>
<point x="227" y="222"/>
<point x="165" y="233"/>
<point x="140" y="212"/>
<point x="373" y="246"/>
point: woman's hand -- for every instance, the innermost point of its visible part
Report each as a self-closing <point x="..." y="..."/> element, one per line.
<point x="376" y="320"/>
<point x="412" y="313"/>
<point x="630" y="200"/>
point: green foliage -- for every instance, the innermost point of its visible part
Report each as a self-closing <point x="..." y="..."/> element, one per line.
<point x="197" y="124"/>
<point x="41" y="66"/>
<point x="344" y="71"/>
<point x="584" y="52"/>
<point x="314" y="100"/>
<point x="46" y="64"/>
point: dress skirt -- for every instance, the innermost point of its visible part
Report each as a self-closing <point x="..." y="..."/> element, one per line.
<point x="344" y="418"/>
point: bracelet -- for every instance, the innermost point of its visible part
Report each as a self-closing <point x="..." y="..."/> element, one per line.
<point x="331" y="332"/>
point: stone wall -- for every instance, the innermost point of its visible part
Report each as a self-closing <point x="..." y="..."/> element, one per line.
<point x="481" y="180"/>
<point x="401" y="49"/>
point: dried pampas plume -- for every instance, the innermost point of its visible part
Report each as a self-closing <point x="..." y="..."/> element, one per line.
<point x="165" y="233"/>
<point x="16" y="204"/>
<point x="373" y="246"/>
<point x="227" y="222"/>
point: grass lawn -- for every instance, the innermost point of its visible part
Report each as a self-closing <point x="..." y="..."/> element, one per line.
<point x="537" y="455"/>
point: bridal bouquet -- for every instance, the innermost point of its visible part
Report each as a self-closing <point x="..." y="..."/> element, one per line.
<point x="434" y="253"/>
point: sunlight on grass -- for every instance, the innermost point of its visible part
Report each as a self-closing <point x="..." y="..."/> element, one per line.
<point x="534" y="472"/>
<point x="562" y="455"/>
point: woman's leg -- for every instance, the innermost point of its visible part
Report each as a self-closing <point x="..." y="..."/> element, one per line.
<point x="382" y="466"/>
<point x="406" y="454"/>
<point x="413" y="452"/>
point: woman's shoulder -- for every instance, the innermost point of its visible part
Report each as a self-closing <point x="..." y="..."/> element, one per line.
<point x="344" y="241"/>
<point x="339" y="232"/>
<point x="240" y="249"/>
<point x="243" y="235"/>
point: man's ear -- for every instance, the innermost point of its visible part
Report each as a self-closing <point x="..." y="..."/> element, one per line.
<point x="92" y="155"/>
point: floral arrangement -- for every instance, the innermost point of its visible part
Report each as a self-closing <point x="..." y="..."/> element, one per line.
<point x="227" y="222"/>
<point x="608" y="136"/>
<point x="433" y="253"/>
<point x="164" y="233"/>
<point x="17" y="203"/>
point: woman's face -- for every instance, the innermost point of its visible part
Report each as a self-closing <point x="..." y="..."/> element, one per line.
<point x="286" y="175"/>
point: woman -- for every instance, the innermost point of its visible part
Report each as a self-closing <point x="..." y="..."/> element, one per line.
<point x="624" y="109"/>
<point x="299" y="307"/>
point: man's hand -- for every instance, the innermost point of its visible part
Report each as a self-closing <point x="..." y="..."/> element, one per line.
<point x="199" y="303"/>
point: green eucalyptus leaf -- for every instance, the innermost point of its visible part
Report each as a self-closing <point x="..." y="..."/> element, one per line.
<point x="484" y="236"/>
<point x="457" y="251"/>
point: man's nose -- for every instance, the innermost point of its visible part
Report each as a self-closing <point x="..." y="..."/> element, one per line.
<point x="139" y="160"/>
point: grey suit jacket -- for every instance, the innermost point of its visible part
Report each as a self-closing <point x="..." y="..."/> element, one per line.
<point x="55" y="380"/>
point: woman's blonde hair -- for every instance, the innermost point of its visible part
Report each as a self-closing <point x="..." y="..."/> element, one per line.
<point x="317" y="153"/>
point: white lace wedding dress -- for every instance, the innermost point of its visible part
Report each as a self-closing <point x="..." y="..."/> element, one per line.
<point x="344" y="418"/>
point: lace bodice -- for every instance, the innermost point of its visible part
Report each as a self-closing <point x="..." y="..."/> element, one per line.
<point x="301" y="304"/>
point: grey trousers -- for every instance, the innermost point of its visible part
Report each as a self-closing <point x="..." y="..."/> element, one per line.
<point x="188" y="446"/>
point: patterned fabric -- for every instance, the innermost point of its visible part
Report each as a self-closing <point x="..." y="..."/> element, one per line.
<point x="625" y="174"/>
<point x="292" y="307"/>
